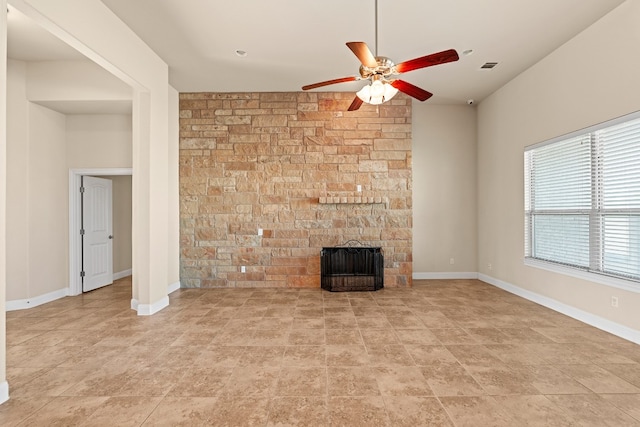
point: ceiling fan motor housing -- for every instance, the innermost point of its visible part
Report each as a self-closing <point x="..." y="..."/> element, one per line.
<point x="385" y="68"/>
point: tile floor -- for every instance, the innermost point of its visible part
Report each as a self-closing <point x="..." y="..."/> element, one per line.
<point x="444" y="353"/>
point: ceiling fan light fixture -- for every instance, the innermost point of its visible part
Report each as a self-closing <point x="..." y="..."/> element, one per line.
<point x="377" y="92"/>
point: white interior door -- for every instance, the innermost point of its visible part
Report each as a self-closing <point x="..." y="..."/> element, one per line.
<point x="97" y="240"/>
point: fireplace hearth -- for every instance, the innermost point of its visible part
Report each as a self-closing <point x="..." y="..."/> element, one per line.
<point x="347" y="268"/>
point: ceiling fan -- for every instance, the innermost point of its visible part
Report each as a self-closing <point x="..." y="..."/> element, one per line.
<point x="379" y="69"/>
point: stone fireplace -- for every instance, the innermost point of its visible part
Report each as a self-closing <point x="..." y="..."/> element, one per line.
<point x="269" y="179"/>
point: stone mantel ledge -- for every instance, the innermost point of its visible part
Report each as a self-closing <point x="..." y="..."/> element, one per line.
<point x="353" y="200"/>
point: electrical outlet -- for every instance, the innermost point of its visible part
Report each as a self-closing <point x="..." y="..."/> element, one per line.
<point x="243" y="269"/>
<point x="489" y="266"/>
<point x="614" y="302"/>
<point x="452" y="261"/>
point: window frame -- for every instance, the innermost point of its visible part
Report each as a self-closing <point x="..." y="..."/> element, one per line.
<point x="595" y="213"/>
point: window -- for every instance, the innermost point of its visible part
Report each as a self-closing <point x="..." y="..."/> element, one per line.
<point x="582" y="200"/>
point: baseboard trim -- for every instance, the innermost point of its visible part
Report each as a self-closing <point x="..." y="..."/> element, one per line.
<point x="4" y="392"/>
<point x="150" y="309"/>
<point x="173" y="287"/>
<point x="614" y="328"/>
<point x="121" y="274"/>
<point x="22" y="304"/>
<point x="445" y="275"/>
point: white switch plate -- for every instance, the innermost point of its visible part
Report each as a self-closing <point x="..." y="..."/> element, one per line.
<point x="243" y="269"/>
<point x="359" y="188"/>
<point x="259" y="231"/>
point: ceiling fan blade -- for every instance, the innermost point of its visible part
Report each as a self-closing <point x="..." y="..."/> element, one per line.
<point x="357" y="102"/>
<point x="411" y="90"/>
<point x="427" y="61"/>
<point x="363" y="53"/>
<point x="330" y="82"/>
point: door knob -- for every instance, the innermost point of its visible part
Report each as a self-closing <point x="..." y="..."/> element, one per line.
<point x="110" y="236"/>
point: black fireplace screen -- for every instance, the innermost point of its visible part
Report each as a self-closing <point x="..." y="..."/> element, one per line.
<point x="351" y="269"/>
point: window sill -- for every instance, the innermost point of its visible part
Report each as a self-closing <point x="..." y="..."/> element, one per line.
<point x="627" y="285"/>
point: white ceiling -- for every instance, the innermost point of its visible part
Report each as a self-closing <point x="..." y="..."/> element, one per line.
<point x="290" y="43"/>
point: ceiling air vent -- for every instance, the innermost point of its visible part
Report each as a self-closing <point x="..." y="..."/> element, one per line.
<point x="488" y="65"/>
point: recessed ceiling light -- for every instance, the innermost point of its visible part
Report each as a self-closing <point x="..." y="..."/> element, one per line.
<point x="467" y="52"/>
<point x="241" y="53"/>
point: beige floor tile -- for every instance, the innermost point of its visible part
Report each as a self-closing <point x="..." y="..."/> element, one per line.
<point x="373" y="323"/>
<point x="298" y="381"/>
<point x="183" y="411"/>
<point x="598" y="380"/>
<point x="474" y="411"/>
<point x="18" y="377"/>
<point x="351" y="381"/>
<point x="389" y="355"/>
<point x="103" y="382"/>
<point x="343" y="337"/>
<point x="306" y="337"/>
<point x="416" y="336"/>
<point x="375" y="337"/>
<point x="451" y="336"/>
<point x="122" y="412"/>
<point x="628" y="403"/>
<point x="51" y="383"/>
<point x="487" y="335"/>
<point x="535" y="410"/>
<point x="65" y="411"/>
<point x="201" y="382"/>
<point x="220" y="355"/>
<point x="153" y="381"/>
<point x="267" y="356"/>
<point x="270" y="337"/>
<point x="358" y="412"/>
<point x="474" y="355"/>
<point x="308" y="323"/>
<point x="339" y="311"/>
<point x="451" y="379"/>
<point x="304" y="356"/>
<point x="628" y="372"/>
<point x="298" y="411"/>
<point x="17" y="409"/>
<point x="428" y="355"/>
<point x="592" y="410"/>
<point x="340" y="323"/>
<point x="401" y="381"/>
<point x="502" y="380"/>
<point x="347" y="355"/>
<point x="412" y="411"/>
<point x="251" y="381"/>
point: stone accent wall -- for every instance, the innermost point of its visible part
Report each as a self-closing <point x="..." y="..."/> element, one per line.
<point x="290" y="164"/>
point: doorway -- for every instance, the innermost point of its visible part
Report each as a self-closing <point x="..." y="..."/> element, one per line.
<point x="75" y="225"/>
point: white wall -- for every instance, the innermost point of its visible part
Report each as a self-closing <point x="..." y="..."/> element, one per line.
<point x="590" y="79"/>
<point x="36" y="194"/>
<point x="17" y="176"/>
<point x="79" y="80"/>
<point x="444" y="190"/>
<point x="99" y="141"/>
<point x="47" y="190"/>
<point x="4" y="386"/>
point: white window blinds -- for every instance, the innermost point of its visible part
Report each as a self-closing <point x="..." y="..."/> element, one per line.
<point x="582" y="200"/>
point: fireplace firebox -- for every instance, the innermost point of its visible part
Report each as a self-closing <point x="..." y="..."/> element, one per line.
<point x="347" y="268"/>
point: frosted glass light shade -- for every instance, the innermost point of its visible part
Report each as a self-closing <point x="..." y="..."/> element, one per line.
<point x="377" y="92"/>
